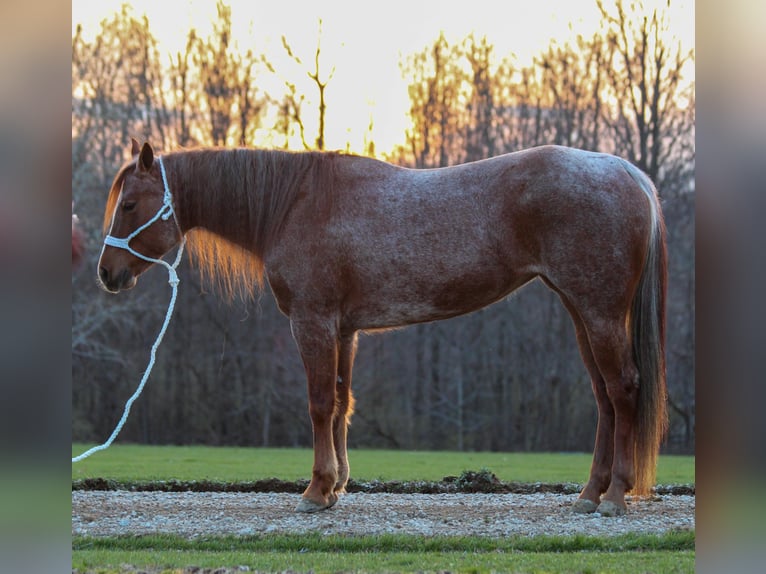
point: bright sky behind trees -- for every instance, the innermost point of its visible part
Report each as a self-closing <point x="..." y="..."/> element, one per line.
<point x="365" y="41"/>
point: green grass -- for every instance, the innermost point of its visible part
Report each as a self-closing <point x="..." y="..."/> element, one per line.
<point x="107" y="562"/>
<point x="400" y="553"/>
<point x="384" y="543"/>
<point x="229" y="464"/>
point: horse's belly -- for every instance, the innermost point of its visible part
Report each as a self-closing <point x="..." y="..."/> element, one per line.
<point x="397" y="303"/>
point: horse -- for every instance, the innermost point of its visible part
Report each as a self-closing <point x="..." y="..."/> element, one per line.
<point x="351" y="244"/>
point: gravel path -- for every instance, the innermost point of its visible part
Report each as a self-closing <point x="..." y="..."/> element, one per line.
<point x="192" y="514"/>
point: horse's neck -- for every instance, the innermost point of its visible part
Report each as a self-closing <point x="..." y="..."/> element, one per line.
<point x="204" y="198"/>
<point x="242" y="195"/>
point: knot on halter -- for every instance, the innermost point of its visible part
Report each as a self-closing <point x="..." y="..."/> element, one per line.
<point x="173" y="279"/>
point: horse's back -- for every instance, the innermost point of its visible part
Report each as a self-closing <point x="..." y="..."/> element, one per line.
<point x="406" y="245"/>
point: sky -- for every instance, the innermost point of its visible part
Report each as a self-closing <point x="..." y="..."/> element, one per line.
<point x="365" y="42"/>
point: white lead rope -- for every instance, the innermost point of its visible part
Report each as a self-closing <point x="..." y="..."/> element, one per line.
<point x="166" y="211"/>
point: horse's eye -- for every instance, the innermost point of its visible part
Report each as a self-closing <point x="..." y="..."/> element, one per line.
<point x="128" y="205"/>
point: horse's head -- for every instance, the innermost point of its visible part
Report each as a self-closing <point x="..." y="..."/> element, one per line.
<point x="137" y="196"/>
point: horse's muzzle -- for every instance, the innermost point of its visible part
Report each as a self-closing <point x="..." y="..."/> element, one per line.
<point x="114" y="283"/>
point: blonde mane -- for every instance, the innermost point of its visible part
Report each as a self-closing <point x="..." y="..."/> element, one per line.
<point x="232" y="270"/>
<point x="236" y="201"/>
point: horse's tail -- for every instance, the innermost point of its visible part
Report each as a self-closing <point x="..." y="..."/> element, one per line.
<point x="647" y="325"/>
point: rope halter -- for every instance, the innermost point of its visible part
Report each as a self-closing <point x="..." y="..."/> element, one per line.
<point x="165" y="212"/>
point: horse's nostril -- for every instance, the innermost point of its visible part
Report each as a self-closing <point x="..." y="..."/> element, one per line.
<point x="103" y="274"/>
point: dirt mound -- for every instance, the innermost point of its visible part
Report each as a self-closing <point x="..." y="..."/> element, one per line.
<point x="469" y="481"/>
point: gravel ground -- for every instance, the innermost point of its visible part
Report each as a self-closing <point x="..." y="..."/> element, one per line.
<point x="193" y="514"/>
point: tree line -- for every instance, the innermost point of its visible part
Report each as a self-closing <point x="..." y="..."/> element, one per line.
<point x="508" y="377"/>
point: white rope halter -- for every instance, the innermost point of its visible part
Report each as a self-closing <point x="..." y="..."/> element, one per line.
<point x="165" y="212"/>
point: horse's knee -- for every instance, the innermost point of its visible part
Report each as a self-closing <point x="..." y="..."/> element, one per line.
<point x="322" y="407"/>
<point x="322" y="398"/>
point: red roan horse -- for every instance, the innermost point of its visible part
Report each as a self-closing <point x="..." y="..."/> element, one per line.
<point x="351" y="244"/>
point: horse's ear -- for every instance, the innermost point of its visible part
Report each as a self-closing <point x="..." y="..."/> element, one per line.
<point x="134" y="147"/>
<point x="145" y="157"/>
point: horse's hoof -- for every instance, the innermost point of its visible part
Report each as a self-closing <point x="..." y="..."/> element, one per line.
<point x="609" y="508"/>
<point x="339" y="490"/>
<point x="584" y="506"/>
<point x="308" y="506"/>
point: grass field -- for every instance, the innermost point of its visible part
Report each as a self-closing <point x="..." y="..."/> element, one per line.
<point x="227" y="464"/>
<point x="672" y="553"/>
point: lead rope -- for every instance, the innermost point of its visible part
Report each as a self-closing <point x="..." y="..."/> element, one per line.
<point x="165" y="212"/>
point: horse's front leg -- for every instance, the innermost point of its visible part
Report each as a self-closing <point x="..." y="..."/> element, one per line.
<point x="318" y="345"/>
<point x="344" y="408"/>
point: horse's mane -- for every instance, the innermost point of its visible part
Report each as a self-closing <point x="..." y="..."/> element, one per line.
<point x="243" y="196"/>
<point x="246" y="195"/>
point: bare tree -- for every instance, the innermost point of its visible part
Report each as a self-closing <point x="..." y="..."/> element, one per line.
<point x="117" y="93"/>
<point x="436" y="77"/>
<point x="481" y="126"/>
<point x="183" y="89"/>
<point x="320" y="84"/>
<point x="290" y="114"/>
<point x="228" y="91"/>
<point x="645" y="74"/>
<point x="572" y="77"/>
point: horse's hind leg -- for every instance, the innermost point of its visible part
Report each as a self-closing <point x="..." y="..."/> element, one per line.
<point x="608" y="356"/>
<point x="344" y="408"/>
<point x="603" y="451"/>
<point x="613" y="355"/>
<point x="318" y="345"/>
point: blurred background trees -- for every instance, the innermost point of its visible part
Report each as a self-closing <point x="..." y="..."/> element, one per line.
<point x="508" y="377"/>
